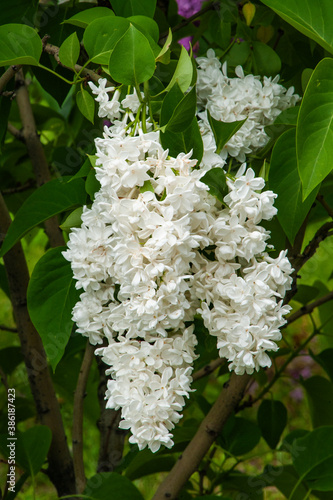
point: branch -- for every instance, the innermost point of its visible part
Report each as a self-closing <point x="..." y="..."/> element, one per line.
<point x="60" y="468"/>
<point x="326" y="206"/>
<point x="298" y="262"/>
<point x="8" y="329"/>
<point x="8" y="75"/>
<point x="77" y="434"/>
<point x="19" y="189"/>
<point x="208" y="369"/>
<point x="111" y="437"/>
<point x="208" y="431"/>
<point x="186" y="22"/>
<point x="15" y="132"/>
<point x="308" y="308"/>
<point x="88" y="73"/>
<point x="36" y="153"/>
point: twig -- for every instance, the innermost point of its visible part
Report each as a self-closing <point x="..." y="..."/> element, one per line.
<point x="206" y="370"/>
<point x="186" y="22"/>
<point x="8" y="75"/>
<point x="19" y="189"/>
<point x="8" y="329"/>
<point x="15" y="132"/>
<point x="88" y="73"/>
<point x="278" y="372"/>
<point x="324" y="203"/>
<point x="60" y="469"/>
<point x="77" y="434"/>
<point x="298" y="262"/>
<point x="308" y="308"/>
<point x="36" y="152"/>
<point x="208" y="431"/>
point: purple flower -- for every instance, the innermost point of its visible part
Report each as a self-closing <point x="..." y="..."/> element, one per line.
<point x="186" y="8"/>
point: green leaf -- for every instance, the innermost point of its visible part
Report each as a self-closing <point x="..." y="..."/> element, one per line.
<point x="184" y="142"/>
<point x="132" y="61"/>
<point x="70" y="50"/>
<point x="183" y="72"/>
<point x="285" y="181"/>
<point x="285" y="478"/>
<point x="238" y="54"/>
<point x="51" y="298"/>
<point x="48" y="200"/>
<point x="146" y="463"/>
<point x="19" y="44"/>
<point x="250" y="486"/>
<point x="287" y="117"/>
<point x="147" y="186"/>
<point x="170" y="102"/>
<point x="82" y="19"/>
<point x="134" y="7"/>
<point x="319" y="392"/>
<point x="99" y="487"/>
<point x="325" y="359"/>
<point x="239" y="436"/>
<point x="212" y="497"/>
<point x="165" y="47"/>
<point x="32" y="447"/>
<point x="215" y="179"/>
<point x="313" y="458"/>
<point x="92" y="185"/>
<point x="305" y="294"/>
<point x="10" y="358"/>
<point x="267" y="61"/>
<point x="86" y="104"/>
<point x="19" y="11"/>
<point x="101" y="36"/>
<point x="272" y="419"/>
<point x="183" y="113"/>
<point x="73" y="220"/>
<point x="314" y="137"/>
<point x="313" y="18"/>
<point x="147" y="24"/>
<point x="223" y="131"/>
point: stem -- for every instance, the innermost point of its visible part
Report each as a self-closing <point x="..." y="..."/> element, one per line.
<point x="56" y="74"/>
<point x="281" y="369"/>
<point x="77" y="434"/>
<point x="309" y="308"/>
<point x="111" y="437"/>
<point x="36" y="153"/>
<point x="206" y="370"/>
<point x="208" y="431"/>
<point x="8" y="75"/>
<point x="326" y="206"/>
<point x="60" y="465"/>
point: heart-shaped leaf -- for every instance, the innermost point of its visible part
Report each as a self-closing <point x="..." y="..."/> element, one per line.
<point x="19" y="44"/>
<point x="51" y="298"/>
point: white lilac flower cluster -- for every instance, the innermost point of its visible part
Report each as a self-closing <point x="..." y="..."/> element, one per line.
<point x="236" y="99"/>
<point x="155" y="249"/>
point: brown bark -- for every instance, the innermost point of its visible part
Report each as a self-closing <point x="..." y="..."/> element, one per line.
<point x="111" y="437"/>
<point x="60" y="466"/>
<point x="35" y="152"/>
<point x="208" y="431"/>
<point x="77" y="434"/>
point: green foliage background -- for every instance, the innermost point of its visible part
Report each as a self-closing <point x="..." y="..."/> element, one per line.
<point x="279" y="442"/>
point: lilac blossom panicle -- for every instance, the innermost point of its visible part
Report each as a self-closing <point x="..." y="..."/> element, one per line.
<point x="155" y="249"/>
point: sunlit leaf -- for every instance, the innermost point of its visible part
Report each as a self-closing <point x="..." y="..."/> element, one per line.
<point x="314" y="138"/>
<point x="51" y="298"/>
